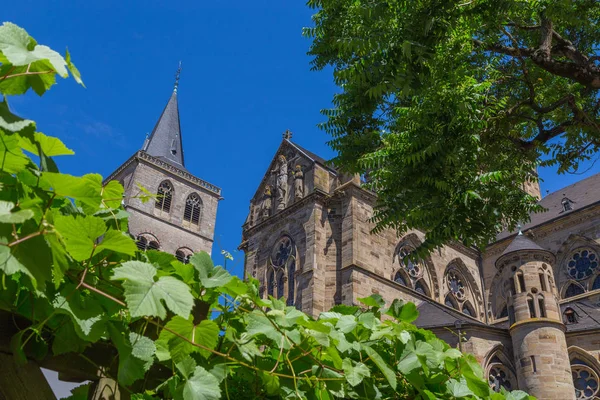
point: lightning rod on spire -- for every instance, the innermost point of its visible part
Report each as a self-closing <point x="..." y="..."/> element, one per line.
<point x="177" y="76"/>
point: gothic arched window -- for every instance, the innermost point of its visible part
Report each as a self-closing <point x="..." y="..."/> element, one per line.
<point x="183" y="254"/>
<point x="164" y="195"/>
<point x="596" y="284"/>
<point x="271" y="283"/>
<point x="500" y="373"/>
<point x="291" y="282"/>
<point x="573" y="290"/>
<point x="146" y="241"/>
<point x="459" y="292"/>
<point x="283" y="261"/>
<point x="582" y="264"/>
<point x="585" y="380"/>
<point x="280" y="285"/>
<point x="399" y="278"/>
<point x="193" y="209"/>
<point x="411" y="273"/>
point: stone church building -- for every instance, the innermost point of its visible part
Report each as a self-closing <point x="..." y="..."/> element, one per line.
<point x="528" y="307"/>
<point x="180" y="219"/>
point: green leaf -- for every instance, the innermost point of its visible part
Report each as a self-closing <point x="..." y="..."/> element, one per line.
<point x="382" y="365"/>
<point x="12" y="159"/>
<point x="74" y="71"/>
<point x="9" y="217"/>
<point x="79" y="393"/>
<point x="112" y="194"/>
<point x="66" y="340"/>
<point x="9" y="121"/>
<point x="202" y="386"/>
<point x="86" y="189"/>
<point x="80" y="234"/>
<point x="405" y="312"/>
<point x="270" y="383"/>
<point x="180" y="335"/>
<point x="209" y="276"/>
<point x="118" y="241"/>
<point x="86" y="313"/>
<point x="60" y="258"/>
<point x="144" y="294"/>
<point x="35" y="255"/>
<point x="458" y="389"/>
<point x="143" y="348"/>
<point x="8" y="263"/>
<point x="131" y="368"/>
<point x="50" y="146"/>
<point x="374" y="300"/>
<point x="186" y="366"/>
<point x="355" y="373"/>
<point x="20" y="49"/>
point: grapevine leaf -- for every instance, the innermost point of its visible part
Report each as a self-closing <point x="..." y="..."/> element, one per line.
<point x="202" y="386"/>
<point x="9" y="121"/>
<point x="9" y="217"/>
<point x="50" y="146"/>
<point x="79" y="393"/>
<point x="131" y="368"/>
<point x="74" y="71"/>
<point x="458" y="388"/>
<point x="118" y="241"/>
<point x="209" y="275"/>
<point x="86" y="189"/>
<point x="374" y="300"/>
<point x="112" y="194"/>
<point x="12" y="159"/>
<point x="355" y="373"/>
<point x="144" y="294"/>
<point x="80" y="234"/>
<point x="87" y="315"/>
<point x="143" y="348"/>
<point x="382" y="365"/>
<point x="181" y="334"/>
<point x="402" y="311"/>
<point x="66" y="340"/>
<point x="20" y="49"/>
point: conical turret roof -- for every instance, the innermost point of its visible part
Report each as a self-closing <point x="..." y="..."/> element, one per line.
<point x="520" y="243"/>
<point x="165" y="142"/>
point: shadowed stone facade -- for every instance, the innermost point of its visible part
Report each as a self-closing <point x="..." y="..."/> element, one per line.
<point x="181" y="219"/>
<point x="528" y="307"/>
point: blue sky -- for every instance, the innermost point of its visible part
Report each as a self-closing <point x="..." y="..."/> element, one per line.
<point x="245" y="80"/>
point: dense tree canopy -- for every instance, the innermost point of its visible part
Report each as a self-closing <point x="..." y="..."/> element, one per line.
<point x="74" y="284"/>
<point x="448" y="106"/>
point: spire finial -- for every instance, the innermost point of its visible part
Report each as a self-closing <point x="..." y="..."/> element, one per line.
<point x="287" y="135"/>
<point x="177" y="75"/>
<point x="519" y="228"/>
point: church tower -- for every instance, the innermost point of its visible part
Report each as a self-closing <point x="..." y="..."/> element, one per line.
<point x="536" y="327"/>
<point x="181" y="219"/>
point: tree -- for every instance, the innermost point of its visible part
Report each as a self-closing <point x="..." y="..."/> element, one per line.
<point x="449" y="106"/>
<point x="76" y="286"/>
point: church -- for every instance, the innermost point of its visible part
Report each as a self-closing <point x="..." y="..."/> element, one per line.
<point x="528" y="307"/>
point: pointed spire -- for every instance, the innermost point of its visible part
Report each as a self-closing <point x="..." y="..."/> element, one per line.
<point x="177" y="76"/>
<point x="165" y="140"/>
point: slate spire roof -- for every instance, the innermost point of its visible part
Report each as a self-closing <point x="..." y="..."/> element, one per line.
<point x="165" y="140"/>
<point x="522" y="242"/>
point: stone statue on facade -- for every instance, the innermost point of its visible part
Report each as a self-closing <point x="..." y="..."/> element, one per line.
<point x="298" y="182"/>
<point x="267" y="202"/>
<point x="282" y="181"/>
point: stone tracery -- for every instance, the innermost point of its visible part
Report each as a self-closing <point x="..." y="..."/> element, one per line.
<point x="458" y="292"/>
<point x="410" y="273"/>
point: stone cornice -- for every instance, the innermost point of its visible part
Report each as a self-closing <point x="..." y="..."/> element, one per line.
<point x="538" y="321"/>
<point x="316" y="196"/>
<point x="142" y="155"/>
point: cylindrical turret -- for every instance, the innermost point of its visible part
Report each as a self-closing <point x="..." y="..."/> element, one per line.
<point x="536" y="327"/>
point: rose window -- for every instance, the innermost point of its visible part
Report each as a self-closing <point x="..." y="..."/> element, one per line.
<point x="282" y="251"/>
<point x="583" y="264"/>
<point x="414" y="270"/>
<point x="456" y="286"/>
<point x="586" y="382"/>
<point x="498" y="378"/>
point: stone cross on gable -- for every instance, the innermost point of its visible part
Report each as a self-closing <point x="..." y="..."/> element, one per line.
<point x="287" y="134"/>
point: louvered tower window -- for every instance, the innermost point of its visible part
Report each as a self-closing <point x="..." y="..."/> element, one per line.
<point x="193" y="209"/>
<point x="147" y="243"/>
<point x="164" y="195"/>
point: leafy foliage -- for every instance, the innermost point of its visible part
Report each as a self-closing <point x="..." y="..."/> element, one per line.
<point x="447" y="107"/>
<point x="171" y="330"/>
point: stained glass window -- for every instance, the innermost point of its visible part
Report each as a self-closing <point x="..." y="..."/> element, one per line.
<point x="583" y="264"/>
<point x="498" y="378"/>
<point x="398" y="278"/>
<point x="585" y="381"/>
<point x="573" y="290"/>
<point x="282" y="251"/>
